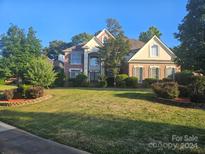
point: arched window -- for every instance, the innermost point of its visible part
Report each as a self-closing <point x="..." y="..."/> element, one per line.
<point x="154" y="51"/>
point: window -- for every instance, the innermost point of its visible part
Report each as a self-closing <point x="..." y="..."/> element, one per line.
<point x="170" y="71"/>
<point x="74" y="73"/>
<point x="93" y="62"/>
<point x="138" y="72"/>
<point x="154" y="72"/>
<point x="76" y="58"/>
<point x="154" y="51"/>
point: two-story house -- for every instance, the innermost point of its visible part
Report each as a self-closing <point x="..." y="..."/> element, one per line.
<point x="145" y="60"/>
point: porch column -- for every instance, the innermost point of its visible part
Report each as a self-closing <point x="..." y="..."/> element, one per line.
<point x="85" y="63"/>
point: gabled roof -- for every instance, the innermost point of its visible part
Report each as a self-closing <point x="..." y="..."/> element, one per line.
<point x="135" y="44"/>
<point x="163" y="44"/>
<point x="84" y="45"/>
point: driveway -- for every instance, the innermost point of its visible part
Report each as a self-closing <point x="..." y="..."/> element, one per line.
<point x="17" y="141"/>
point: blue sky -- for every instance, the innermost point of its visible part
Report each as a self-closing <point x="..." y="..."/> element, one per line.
<point x="61" y="19"/>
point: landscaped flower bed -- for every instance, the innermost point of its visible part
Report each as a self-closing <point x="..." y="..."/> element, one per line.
<point x="15" y="102"/>
<point x="24" y="94"/>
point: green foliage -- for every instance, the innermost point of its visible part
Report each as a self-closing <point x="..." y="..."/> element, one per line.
<point x="146" y="36"/>
<point x="191" y="34"/>
<point x="183" y="78"/>
<point x="112" y="54"/>
<point x="60" y="77"/>
<point x="184" y="91"/>
<point x="80" y="80"/>
<point x="131" y="82"/>
<point x="198" y="89"/>
<point x="147" y="83"/>
<point x="167" y="90"/>
<point x="121" y="80"/>
<point x="8" y="94"/>
<point x="110" y="81"/>
<point x="55" y="48"/>
<point x="2" y="81"/>
<point x="18" y="49"/>
<point x="81" y="38"/>
<point x="114" y="27"/>
<point x="22" y="91"/>
<point x="35" y="92"/>
<point x="40" y="72"/>
<point x="102" y="84"/>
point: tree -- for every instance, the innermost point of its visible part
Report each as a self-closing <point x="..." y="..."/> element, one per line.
<point x="112" y="54"/>
<point x="33" y="44"/>
<point x="114" y="27"/>
<point x="81" y="38"/>
<point x="55" y="48"/>
<point x="18" y="49"/>
<point x="40" y="72"/>
<point x="146" y="36"/>
<point x="191" y="34"/>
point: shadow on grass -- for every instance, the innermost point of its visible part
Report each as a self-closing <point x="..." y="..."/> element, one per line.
<point x="152" y="98"/>
<point x="103" y="133"/>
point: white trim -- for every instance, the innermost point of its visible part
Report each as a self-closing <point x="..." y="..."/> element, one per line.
<point x="146" y="44"/>
<point x="153" y="66"/>
<point x="170" y="66"/>
<point x="136" y="66"/>
<point x="75" y="69"/>
<point x="105" y="30"/>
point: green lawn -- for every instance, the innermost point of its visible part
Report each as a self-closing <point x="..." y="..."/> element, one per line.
<point x="109" y="121"/>
<point x="5" y="87"/>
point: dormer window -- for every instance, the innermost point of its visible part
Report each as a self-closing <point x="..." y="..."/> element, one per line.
<point x="154" y="51"/>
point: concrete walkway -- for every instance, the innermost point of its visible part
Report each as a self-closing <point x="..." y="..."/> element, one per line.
<point x="16" y="141"/>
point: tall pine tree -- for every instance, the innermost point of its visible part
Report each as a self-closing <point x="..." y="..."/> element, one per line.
<point x="192" y="37"/>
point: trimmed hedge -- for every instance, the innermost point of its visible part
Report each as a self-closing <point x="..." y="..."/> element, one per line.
<point x="121" y="80"/>
<point x="167" y="90"/>
<point x="183" y="78"/>
<point x="184" y="91"/>
<point x="198" y="89"/>
<point x="35" y="92"/>
<point x="147" y="83"/>
<point x="131" y="82"/>
<point x="80" y="81"/>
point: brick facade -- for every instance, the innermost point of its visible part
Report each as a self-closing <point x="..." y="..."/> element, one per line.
<point x="146" y="68"/>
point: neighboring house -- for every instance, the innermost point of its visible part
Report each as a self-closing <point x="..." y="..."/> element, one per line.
<point x="151" y="60"/>
<point x="85" y="58"/>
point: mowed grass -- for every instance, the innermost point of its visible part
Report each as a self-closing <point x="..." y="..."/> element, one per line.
<point x="110" y="121"/>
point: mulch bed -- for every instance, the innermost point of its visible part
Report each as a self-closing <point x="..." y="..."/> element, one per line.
<point x="17" y="102"/>
<point x="181" y="102"/>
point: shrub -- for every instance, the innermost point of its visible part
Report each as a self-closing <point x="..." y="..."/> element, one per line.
<point x="166" y="89"/>
<point x="131" y="82"/>
<point x="40" y="72"/>
<point x="183" y="78"/>
<point x="80" y="80"/>
<point x="110" y="81"/>
<point x="2" y="81"/>
<point x="8" y="94"/>
<point x="60" y="78"/>
<point x="147" y="83"/>
<point x="121" y="80"/>
<point x="167" y="80"/>
<point x="102" y="84"/>
<point x="198" y="89"/>
<point x="35" y="92"/>
<point x="21" y="91"/>
<point x="184" y="91"/>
